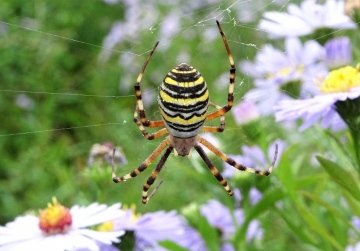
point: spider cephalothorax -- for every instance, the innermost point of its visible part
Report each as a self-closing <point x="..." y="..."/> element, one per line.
<point x="183" y="102"/>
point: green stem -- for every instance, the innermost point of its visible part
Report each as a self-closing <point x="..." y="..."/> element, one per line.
<point x="355" y="133"/>
<point x="349" y="111"/>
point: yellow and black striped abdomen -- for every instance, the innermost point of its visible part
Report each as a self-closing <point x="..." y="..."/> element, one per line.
<point x="183" y="101"/>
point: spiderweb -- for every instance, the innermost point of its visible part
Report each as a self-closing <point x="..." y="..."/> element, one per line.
<point x="112" y="57"/>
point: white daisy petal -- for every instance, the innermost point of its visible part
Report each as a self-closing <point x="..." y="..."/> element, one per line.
<point x="64" y="230"/>
<point x="96" y="214"/>
<point x="86" y="212"/>
<point x="104" y="237"/>
<point x="22" y="229"/>
<point x="293" y="49"/>
<point x="312" y="52"/>
<point x="282" y="25"/>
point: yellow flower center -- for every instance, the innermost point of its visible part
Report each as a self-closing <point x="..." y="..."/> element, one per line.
<point x="106" y="227"/>
<point x="134" y="216"/>
<point x="340" y="80"/>
<point x="55" y="219"/>
<point x="286" y="71"/>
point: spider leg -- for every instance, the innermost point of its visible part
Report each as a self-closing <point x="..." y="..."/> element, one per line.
<point x="157" y="123"/>
<point x="139" y="109"/>
<point x="143" y="165"/>
<point x="154" y="191"/>
<point x="214" y="128"/>
<point x="154" y="174"/>
<point x="232" y="162"/>
<point x="228" y="106"/>
<point x="213" y="169"/>
<point x="140" y="105"/>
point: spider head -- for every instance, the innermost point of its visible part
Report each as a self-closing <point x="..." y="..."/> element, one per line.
<point x="184" y="67"/>
<point x="183" y="146"/>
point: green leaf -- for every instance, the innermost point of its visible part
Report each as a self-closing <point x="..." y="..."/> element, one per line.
<point x="330" y="209"/>
<point x="209" y="234"/>
<point x="171" y="246"/>
<point x="353" y="204"/>
<point x="314" y="223"/>
<point x="295" y="226"/>
<point x="311" y="180"/>
<point x="264" y="204"/>
<point x="286" y="175"/>
<point x="342" y="177"/>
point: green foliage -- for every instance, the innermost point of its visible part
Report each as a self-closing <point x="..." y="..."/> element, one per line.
<point x="172" y="246"/>
<point x="343" y="178"/>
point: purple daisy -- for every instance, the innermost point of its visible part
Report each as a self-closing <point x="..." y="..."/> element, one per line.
<point x="341" y="86"/>
<point x="338" y="52"/>
<point x="219" y="217"/>
<point x="245" y="112"/>
<point x="356" y="222"/>
<point x="282" y="75"/>
<point x="306" y="18"/>
<point x="254" y="196"/>
<point x="222" y="219"/>
<point x="151" y="228"/>
<point x="356" y="247"/>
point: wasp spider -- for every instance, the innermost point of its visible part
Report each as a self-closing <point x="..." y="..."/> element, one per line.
<point x="183" y="101"/>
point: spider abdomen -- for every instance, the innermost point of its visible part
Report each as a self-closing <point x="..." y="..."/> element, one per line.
<point x="183" y="101"/>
